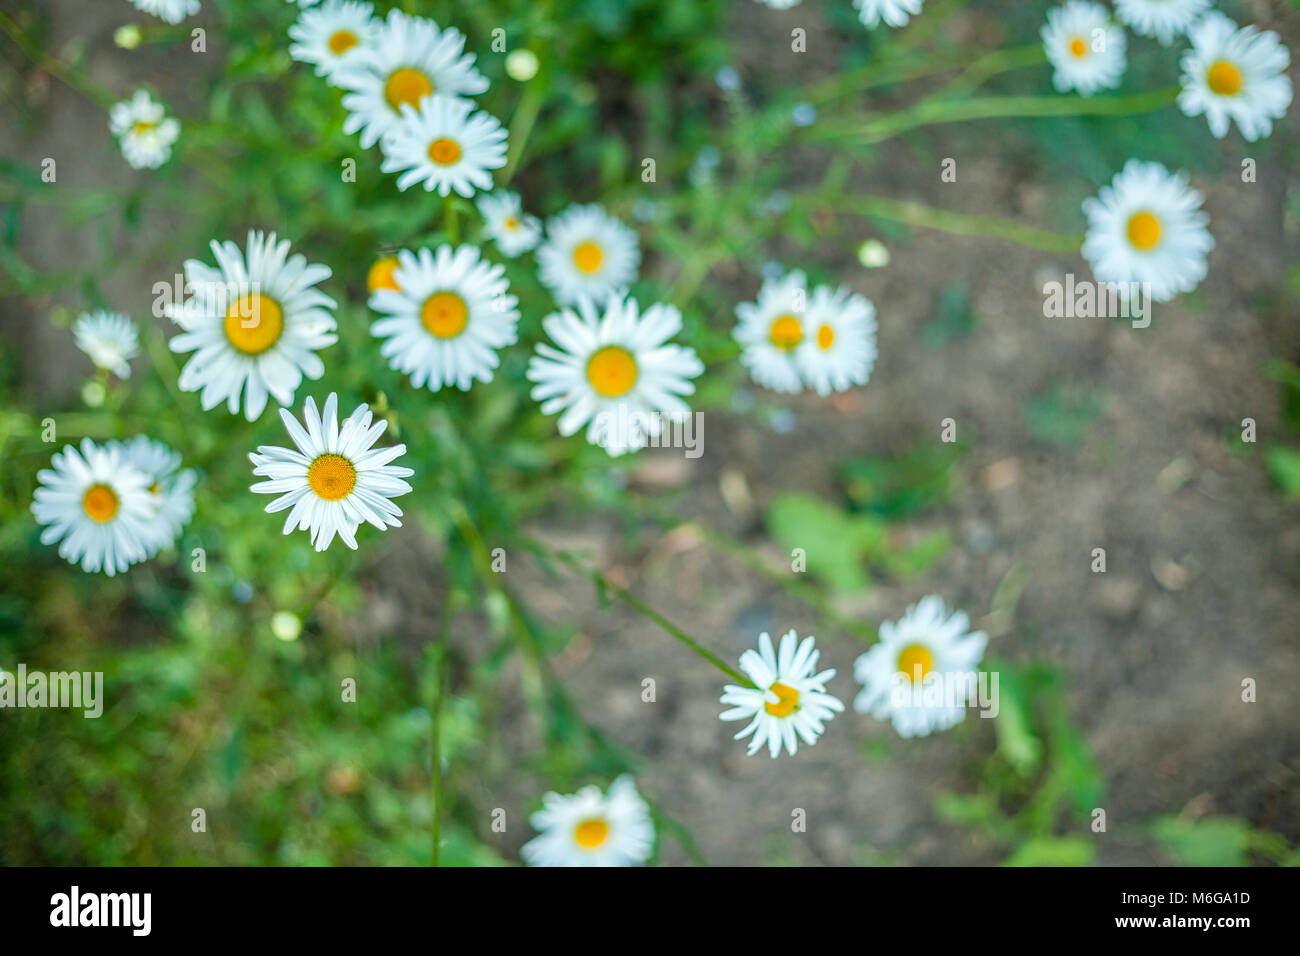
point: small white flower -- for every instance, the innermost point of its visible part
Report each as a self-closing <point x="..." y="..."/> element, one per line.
<point x="1235" y="76"/>
<point x="1084" y="46"/>
<point x="587" y="252"/>
<point x="780" y="4"/>
<point x="444" y="147"/>
<point x="590" y="828"/>
<point x="327" y="35"/>
<point x="109" y="338"/>
<point x="143" y="130"/>
<point x="1162" y="19"/>
<point x="921" y="672"/>
<point x="173" y="11"/>
<point x="840" y="347"/>
<point x="896" y="13"/>
<point x="514" y="231"/>
<point x="771" y="330"/>
<point x="170" y="486"/>
<point x="788" y="701"/>
<point x="448" y="316"/>
<point x="333" y="481"/>
<point x="1147" y="226"/>
<point x="616" y="373"/>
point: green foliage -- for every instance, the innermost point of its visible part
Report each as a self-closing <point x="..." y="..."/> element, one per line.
<point x="1063" y="415"/>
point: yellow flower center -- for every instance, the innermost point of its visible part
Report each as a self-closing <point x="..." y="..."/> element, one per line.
<point x="786" y="332"/>
<point x="254" y="323"/>
<point x="332" y="477"/>
<point x="406" y="86"/>
<point x="380" y="275"/>
<point x="444" y="152"/>
<point x="588" y="256"/>
<point x="342" y="41"/>
<point x="911" y="658"/>
<point x="590" y="834"/>
<point x="142" y="127"/>
<point x="444" y="314"/>
<point x="612" y="371"/>
<point x="787" y="700"/>
<point x="825" y="337"/>
<point x="1224" y="78"/>
<point x="100" y="503"/>
<point x="1078" y="48"/>
<point x="512" y="223"/>
<point x="1144" y="231"/>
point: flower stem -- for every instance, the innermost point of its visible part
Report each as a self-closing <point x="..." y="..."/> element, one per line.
<point x="437" y="653"/>
<point x="961" y="224"/>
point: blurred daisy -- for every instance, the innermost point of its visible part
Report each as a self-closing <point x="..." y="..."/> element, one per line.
<point x="326" y="35"/>
<point x="254" y="324"/>
<point x="380" y="275"/>
<point x="1162" y="19"/>
<point x="771" y="330"/>
<point x="445" y="147"/>
<point x="788" y="701"/>
<point x="333" y="480"/>
<point x="170" y="486"/>
<point x="1234" y="75"/>
<point x="409" y="59"/>
<point x="507" y="224"/>
<point x="1084" y="46"/>
<point x="97" y="506"/>
<point x="921" y="672"/>
<point x="1148" y="226"/>
<point x="616" y="373"/>
<point x="590" y="828"/>
<point x="109" y="338"/>
<point x="896" y="13"/>
<point x="143" y="130"/>
<point x="587" y="252"/>
<point x="448" y="317"/>
<point x="840" y="347"/>
<point x="780" y="4"/>
<point x="173" y="11"/>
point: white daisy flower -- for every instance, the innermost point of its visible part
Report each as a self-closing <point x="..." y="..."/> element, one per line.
<point x="409" y="59"/>
<point x="896" y="13"/>
<point x="1147" y="226"/>
<point x="380" y="274"/>
<point x="771" y="330"/>
<point x="173" y="11"/>
<point x="788" y="701"/>
<point x="615" y="373"/>
<point x="448" y="317"/>
<point x="254" y="324"/>
<point x="840" y="347"/>
<point x="97" y="506"/>
<point x="1234" y="75"/>
<point x="514" y="231"/>
<point x="170" y="486"/>
<point x="144" y="130"/>
<point x="334" y="480"/>
<point x="587" y="252"/>
<point x="922" y="672"/>
<point x="780" y="4"/>
<point x="1162" y="19"/>
<point x="327" y="35"/>
<point x="445" y="147"/>
<point x="1084" y="46"/>
<point x="109" y="338"/>
<point x="590" y="828"/>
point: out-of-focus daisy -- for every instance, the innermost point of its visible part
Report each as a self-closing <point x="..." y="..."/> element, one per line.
<point x="380" y="274"/>
<point x="97" y="506"/>
<point x="514" y="231"/>
<point x="1084" y="46"/>
<point x="144" y="130"/>
<point x="1235" y="76"/>
<point x="590" y="828"/>
<point x="771" y="330"/>
<point x="448" y="317"/>
<point x="587" y="252"/>
<point x="445" y="147"/>
<point x="333" y="480"/>
<point x="780" y="4"/>
<point x="896" y="13"/>
<point x="1147" y="226"/>
<point x="173" y="11"/>
<point x="840" y="347"/>
<point x="788" y="701"/>
<point x="326" y="35"/>
<point x="109" y="338"/>
<point x="409" y="59"/>
<point x="1162" y="19"/>
<point x="170" y="486"/>
<point x="921" y="673"/>
<point x="616" y="373"/>
<point x="254" y="324"/>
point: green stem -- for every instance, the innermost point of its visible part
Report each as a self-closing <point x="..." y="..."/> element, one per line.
<point x="521" y="124"/>
<point x="961" y="224"/>
<point x="61" y="71"/>
<point x="438" y="656"/>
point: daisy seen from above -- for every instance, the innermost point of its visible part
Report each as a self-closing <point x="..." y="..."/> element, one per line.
<point x="590" y="828"/>
<point x="587" y="252"/>
<point x="1084" y="46"/>
<point x="325" y="36"/>
<point x="771" y="330"/>
<point x="895" y="13"/>
<point x="172" y="11"/>
<point x="170" y="486"/>
<point x="143" y="130"/>
<point x="445" y="145"/>
<point x="110" y="339"/>
<point x="1235" y="75"/>
<point x="514" y="231"/>
<point x="1162" y="19"/>
<point x="839" y="350"/>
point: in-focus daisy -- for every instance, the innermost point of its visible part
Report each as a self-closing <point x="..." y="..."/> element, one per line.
<point x="590" y="828"/>
<point x="1148" y="226"/>
<point x="97" y="506"/>
<point x="173" y="11"/>
<point x="144" y="130"/>
<point x="896" y="13"/>
<point x="1084" y="46"/>
<point x="921" y="673"/>
<point x="514" y="231"/>
<point x="771" y="330"/>
<point x="254" y="324"/>
<point x="109" y="338"/>
<point x="326" y="35"/>
<point x="788" y="701"/>
<point x="587" y="252"/>
<point x="409" y="59"/>
<point x="1162" y="19"/>
<point x="445" y="147"/>
<point x="380" y="274"/>
<point x="334" y="480"/>
<point x="840" y="347"/>
<point x="615" y="372"/>
<point x="170" y="486"/>
<point x="448" y="317"/>
<point x="1235" y="76"/>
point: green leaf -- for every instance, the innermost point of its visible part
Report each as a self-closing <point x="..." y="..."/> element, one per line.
<point x="1284" y="467"/>
<point x="836" y="544"/>
<point x="1053" y="851"/>
<point x="1213" y="841"/>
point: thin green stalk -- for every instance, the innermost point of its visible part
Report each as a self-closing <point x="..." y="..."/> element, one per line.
<point x="961" y="224"/>
<point x="521" y="124"/>
<point x="63" y="72"/>
<point x="438" y="655"/>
